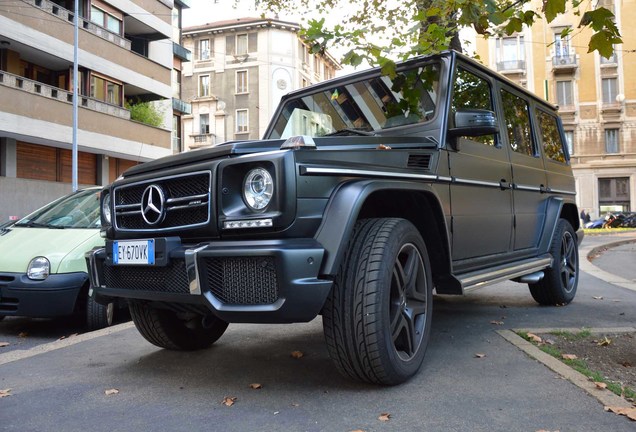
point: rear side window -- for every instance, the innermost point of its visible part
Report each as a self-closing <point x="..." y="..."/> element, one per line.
<point x="517" y="116"/>
<point x="550" y="136"/>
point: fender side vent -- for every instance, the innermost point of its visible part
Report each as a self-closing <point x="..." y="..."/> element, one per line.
<point x="419" y="161"/>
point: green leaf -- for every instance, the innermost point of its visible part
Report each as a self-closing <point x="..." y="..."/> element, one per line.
<point x="552" y="8"/>
<point x="603" y="42"/>
<point x="597" y="19"/>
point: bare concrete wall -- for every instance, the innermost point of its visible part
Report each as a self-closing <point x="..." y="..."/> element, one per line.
<point x="19" y="197"/>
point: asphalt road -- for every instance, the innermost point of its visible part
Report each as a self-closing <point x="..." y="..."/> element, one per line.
<point x="161" y="390"/>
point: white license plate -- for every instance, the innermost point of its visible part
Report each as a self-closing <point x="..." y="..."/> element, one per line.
<point x="134" y="252"/>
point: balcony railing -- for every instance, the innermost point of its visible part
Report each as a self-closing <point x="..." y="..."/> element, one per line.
<point x="612" y="61"/>
<point x="511" y="65"/>
<point x="50" y="92"/>
<point x="181" y="106"/>
<point x="201" y="140"/>
<point x="67" y="15"/>
<point x="181" y="52"/>
<point x="564" y="61"/>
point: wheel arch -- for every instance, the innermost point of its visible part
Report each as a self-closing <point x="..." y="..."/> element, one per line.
<point x="557" y="208"/>
<point x="415" y="202"/>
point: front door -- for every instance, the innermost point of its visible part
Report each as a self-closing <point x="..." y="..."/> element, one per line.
<point x="481" y="194"/>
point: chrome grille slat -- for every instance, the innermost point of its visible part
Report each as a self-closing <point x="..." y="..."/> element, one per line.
<point x="187" y="202"/>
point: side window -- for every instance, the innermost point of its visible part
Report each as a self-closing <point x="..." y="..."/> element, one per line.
<point x="473" y="92"/>
<point x="550" y="137"/>
<point x="517" y="117"/>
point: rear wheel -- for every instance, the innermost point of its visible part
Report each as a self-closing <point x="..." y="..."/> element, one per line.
<point x="559" y="284"/>
<point x="377" y="317"/>
<point x="99" y="316"/>
<point x="176" y="330"/>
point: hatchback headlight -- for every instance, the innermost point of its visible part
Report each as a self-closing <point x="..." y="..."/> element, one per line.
<point x="38" y="268"/>
<point x="106" y="208"/>
<point x="258" y="188"/>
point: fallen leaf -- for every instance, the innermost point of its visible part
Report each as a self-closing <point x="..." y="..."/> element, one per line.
<point x="604" y="342"/>
<point x="534" y="338"/>
<point x="384" y="417"/>
<point x="597" y="297"/>
<point x="4" y="344"/>
<point x="23" y="334"/>
<point x="297" y="354"/>
<point x="256" y="386"/>
<point x="600" y="385"/>
<point x="630" y="413"/>
<point x="229" y="400"/>
<point x="111" y="392"/>
<point x="295" y="405"/>
<point x="569" y="356"/>
<point x="626" y="364"/>
<point x="480" y="355"/>
<point x="497" y="322"/>
<point x="549" y="342"/>
<point x="5" y="393"/>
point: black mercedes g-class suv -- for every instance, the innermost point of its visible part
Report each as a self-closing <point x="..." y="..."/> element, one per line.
<point x="366" y="193"/>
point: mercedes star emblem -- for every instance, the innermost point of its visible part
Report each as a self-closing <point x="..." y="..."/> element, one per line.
<point x="152" y="202"/>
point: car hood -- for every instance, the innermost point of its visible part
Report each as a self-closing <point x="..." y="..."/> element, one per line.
<point x="64" y="248"/>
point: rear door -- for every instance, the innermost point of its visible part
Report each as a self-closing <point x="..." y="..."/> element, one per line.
<point x="528" y="174"/>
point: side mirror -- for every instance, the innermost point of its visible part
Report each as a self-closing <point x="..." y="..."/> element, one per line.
<point x="471" y="123"/>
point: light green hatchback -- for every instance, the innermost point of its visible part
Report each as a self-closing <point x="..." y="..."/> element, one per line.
<point x="42" y="266"/>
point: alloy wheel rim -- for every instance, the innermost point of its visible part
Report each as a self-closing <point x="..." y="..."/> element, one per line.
<point x="569" y="260"/>
<point x="408" y="302"/>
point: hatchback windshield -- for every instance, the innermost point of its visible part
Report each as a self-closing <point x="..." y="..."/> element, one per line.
<point x="364" y="107"/>
<point x="79" y="210"/>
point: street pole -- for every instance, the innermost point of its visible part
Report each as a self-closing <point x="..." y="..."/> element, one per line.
<point x="75" y="92"/>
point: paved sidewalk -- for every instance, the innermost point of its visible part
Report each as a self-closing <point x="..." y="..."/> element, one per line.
<point x="62" y="386"/>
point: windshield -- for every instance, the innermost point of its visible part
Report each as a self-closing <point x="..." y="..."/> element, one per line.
<point x="370" y="105"/>
<point x="78" y="210"/>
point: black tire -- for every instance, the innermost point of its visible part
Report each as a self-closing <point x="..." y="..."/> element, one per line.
<point x="176" y="331"/>
<point x="98" y="316"/>
<point x="377" y="318"/>
<point x="558" y="286"/>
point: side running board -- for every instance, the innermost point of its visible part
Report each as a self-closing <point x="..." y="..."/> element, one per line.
<point x="528" y="271"/>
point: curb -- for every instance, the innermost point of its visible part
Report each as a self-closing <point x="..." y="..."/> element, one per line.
<point x="606" y="397"/>
<point x="588" y="267"/>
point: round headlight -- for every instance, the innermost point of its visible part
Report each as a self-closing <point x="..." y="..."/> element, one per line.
<point x="106" y="208"/>
<point x="38" y="268"/>
<point x="258" y="188"/>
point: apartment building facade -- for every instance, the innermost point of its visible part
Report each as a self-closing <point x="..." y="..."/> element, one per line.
<point x="596" y="97"/>
<point x="125" y="55"/>
<point x="240" y="69"/>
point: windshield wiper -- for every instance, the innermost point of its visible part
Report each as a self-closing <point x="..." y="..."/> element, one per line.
<point x="351" y="131"/>
<point x="32" y="224"/>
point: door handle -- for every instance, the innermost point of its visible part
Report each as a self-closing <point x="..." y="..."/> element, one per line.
<point x="503" y="184"/>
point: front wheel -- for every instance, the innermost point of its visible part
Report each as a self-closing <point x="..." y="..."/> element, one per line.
<point x="176" y="330"/>
<point x="558" y="286"/>
<point x="99" y="316"/>
<point x="377" y="318"/>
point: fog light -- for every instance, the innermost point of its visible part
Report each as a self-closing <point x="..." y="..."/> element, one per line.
<point x="252" y="223"/>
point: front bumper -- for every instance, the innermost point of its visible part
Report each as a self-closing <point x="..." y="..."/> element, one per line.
<point x="54" y="296"/>
<point x="272" y="281"/>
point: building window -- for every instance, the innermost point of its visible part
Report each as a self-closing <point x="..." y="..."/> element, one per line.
<point x="564" y="93"/>
<point x="204" y="122"/>
<point x="106" y="90"/>
<point x="613" y="194"/>
<point x="204" y="49"/>
<point x="611" y="140"/>
<point x="510" y="53"/>
<point x="610" y="90"/>
<point x="304" y="83"/>
<point x="569" y="141"/>
<point x="241" y="44"/>
<point x="561" y="45"/>
<point x="241" y="121"/>
<point x="204" y="85"/>
<point x="176" y="134"/>
<point x="241" y="81"/>
<point x="106" y="20"/>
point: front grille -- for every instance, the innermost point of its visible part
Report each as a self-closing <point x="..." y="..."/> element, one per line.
<point x="169" y="279"/>
<point x="242" y="280"/>
<point x="187" y="203"/>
